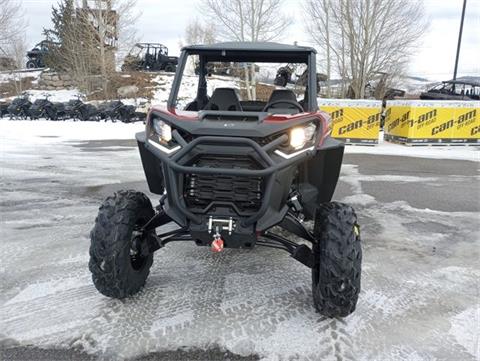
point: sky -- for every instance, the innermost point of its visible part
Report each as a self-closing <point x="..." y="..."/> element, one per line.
<point x="164" y="21"/>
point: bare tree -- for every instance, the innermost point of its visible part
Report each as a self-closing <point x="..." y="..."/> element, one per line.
<point x="253" y="20"/>
<point x="113" y="24"/>
<point x="198" y="33"/>
<point x="89" y="33"/>
<point x="126" y="27"/>
<point x="12" y="21"/>
<point x="365" y="37"/>
<point x="319" y="30"/>
<point x="248" y="20"/>
<point x="12" y="33"/>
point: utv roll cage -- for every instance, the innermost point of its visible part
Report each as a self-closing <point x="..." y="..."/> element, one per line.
<point x="246" y="53"/>
<point x="464" y="88"/>
<point x="157" y="48"/>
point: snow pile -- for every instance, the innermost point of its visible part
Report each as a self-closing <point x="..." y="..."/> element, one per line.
<point x="61" y="96"/>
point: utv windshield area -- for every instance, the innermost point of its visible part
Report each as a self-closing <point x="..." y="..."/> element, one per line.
<point x="246" y="77"/>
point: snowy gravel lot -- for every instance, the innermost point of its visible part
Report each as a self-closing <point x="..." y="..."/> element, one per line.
<point x="420" y="216"/>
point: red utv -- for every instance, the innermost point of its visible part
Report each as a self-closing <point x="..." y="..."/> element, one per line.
<point x="231" y="165"/>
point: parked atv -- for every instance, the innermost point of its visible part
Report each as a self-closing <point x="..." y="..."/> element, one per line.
<point x="19" y="108"/>
<point x="36" y="56"/>
<point x="44" y="108"/>
<point x="111" y="110"/>
<point x="77" y="110"/>
<point x="149" y="56"/>
<point x="126" y="113"/>
<point x="228" y="177"/>
<point x="57" y="111"/>
<point x="72" y="108"/>
<point x="4" y="109"/>
<point x="88" y="112"/>
<point x="39" y="108"/>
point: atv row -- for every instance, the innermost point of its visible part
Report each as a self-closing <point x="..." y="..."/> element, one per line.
<point x="76" y="109"/>
<point x="229" y="173"/>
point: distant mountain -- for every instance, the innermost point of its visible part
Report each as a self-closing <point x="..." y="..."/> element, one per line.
<point x="417" y="78"/>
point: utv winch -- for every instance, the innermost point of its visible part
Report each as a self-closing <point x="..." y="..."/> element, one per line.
<point x="232" y="167"/>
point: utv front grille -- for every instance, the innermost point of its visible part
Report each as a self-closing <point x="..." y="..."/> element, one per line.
<point x="244" y="194"/>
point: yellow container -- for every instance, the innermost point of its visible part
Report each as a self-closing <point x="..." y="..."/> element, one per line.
<point x="431" y="122"/>
<point x="354" y="121"/>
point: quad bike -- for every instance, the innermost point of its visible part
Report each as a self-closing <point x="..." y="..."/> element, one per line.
<point x="111" y="110"/>
<point x="57" y="111"/>
<point x="72" y="108"/>
<point x="44" y="108"/>
<point x="39" y="108"/>
<point x="4" y="109"/>
<point x="127" y="114"/>
<point x="229" y="178"/>
<point x="19" y="108"/>
<point x="77" y="110"/>
<point x="88" y="112"/>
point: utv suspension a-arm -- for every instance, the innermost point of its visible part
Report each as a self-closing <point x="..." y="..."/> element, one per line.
<point x="291" y="224"/>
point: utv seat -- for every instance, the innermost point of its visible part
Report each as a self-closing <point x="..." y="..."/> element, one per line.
<point x="224" y="99"/>
<point x="283" y="99"/>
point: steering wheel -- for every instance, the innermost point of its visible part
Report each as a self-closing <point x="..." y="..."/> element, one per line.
<point x="293" y="103"/>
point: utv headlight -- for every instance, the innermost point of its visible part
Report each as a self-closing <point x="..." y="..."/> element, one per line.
<point x="160" y="136"/>
<point x="300" y="136"/>
<point x="162" y="130"/>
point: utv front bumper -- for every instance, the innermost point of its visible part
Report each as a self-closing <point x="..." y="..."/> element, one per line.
<point x="227" y="178"/>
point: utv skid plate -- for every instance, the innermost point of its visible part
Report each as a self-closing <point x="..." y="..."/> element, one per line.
<point x="291" y="223"/>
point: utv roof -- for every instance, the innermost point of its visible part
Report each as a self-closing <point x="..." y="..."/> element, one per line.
<point x="145" y="45"/>
<point x="251" y="51"/>
<point x="251" y="46"/>
<point x="468" y="80"/>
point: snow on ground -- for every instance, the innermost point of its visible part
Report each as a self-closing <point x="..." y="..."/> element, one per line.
<point x="106" y="130"/>
<point x="62" y="96"/>
<point x="43" y="131"/>
<point x="460" y="152"/>
<point x="5" y="76"/>
<point x="418" y="300"/>
<point x="188" y="87"/>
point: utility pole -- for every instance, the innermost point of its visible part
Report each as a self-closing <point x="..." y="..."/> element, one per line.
<point x="459" y="40"/>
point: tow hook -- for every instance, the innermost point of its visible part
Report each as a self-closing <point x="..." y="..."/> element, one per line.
<point x="217" y="243"/>
<point x="219" y="224"/>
